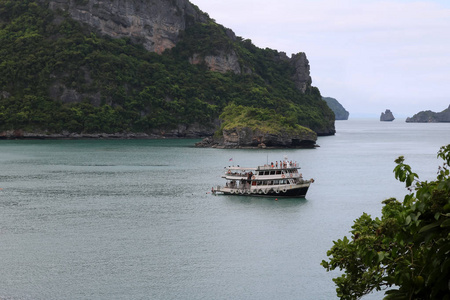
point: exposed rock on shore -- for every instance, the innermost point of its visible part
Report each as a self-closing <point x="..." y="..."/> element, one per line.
<point x="194" y="131"/>
<point x="430" y="117"/>
<point x="246" y="137"/>
<point x="19" y="134"/>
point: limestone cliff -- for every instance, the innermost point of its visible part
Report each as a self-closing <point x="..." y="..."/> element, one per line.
<point x="430" y="117"/>
<point x="222" y="62"/>
<point x="301" y="76"/>
<point x="157" y="25"/>
<point x="154" y="23"/>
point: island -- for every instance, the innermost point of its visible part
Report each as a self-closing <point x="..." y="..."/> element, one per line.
<point x="387" y="116"/>
<point x="149" y="69"/>
<point x="339" y="111"/>
<point x="430" y="117"/>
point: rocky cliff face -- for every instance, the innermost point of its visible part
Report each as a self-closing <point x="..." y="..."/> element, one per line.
<point x="154" y="23"/>
<point x="247" y="138"/>
<point x="223" y="62"/>
<point x="430" y="117"/>
<point x="157" y="25"/>
<point x="301" y="76"/>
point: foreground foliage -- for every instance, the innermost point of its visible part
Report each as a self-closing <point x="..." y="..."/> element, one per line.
<point x="407" y="250"/>
<point x="120" y="86"/>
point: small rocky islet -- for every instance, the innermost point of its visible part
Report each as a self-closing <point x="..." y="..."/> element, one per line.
<point x="387" y="116"/>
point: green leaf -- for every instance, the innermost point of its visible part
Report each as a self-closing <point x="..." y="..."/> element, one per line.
<point x="446" y="223"/>
<point x="395" y="295"/>
<point x="429" y="226"/>
<point x="408" y="220"/>
<point x="445" y="266"/>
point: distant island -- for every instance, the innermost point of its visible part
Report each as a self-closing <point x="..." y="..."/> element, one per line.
<point x="430" y="117"/>
<point x="387" y="116"/>
<point x="339" y="111"/>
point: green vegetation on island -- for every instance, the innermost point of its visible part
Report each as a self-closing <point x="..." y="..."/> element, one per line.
<point x="429" y="116"/>
<point x="59" y="75"/>
<point x="339" y="111"/>
<point x="406" y="250"/>
<point x="262" y="119"/>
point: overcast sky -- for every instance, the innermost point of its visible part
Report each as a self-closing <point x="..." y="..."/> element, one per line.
<point x="370" y="55"/>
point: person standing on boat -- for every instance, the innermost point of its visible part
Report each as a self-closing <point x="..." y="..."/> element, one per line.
<point x="249" y="176"/>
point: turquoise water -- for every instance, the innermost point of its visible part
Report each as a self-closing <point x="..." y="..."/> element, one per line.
<point x="134" y="219"/>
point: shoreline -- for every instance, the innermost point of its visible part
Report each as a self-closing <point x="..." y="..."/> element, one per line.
<point x="132" y="136"/>
<point x="88" y="136"/>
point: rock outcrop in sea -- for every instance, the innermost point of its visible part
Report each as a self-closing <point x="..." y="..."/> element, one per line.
<point x="339" y="111"/>
<point x="430" y="117"/>
<point x="248" y="138"/>
<point x="387" y="116"/>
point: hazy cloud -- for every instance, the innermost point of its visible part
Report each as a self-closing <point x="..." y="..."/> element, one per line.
<point x="370" y="55"/>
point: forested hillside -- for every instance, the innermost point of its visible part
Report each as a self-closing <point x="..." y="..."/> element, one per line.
<point x="59" y="75"/>
<point x="340" y="112"/>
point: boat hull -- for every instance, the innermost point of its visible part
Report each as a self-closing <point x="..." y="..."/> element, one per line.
<point x="295" y="192"/>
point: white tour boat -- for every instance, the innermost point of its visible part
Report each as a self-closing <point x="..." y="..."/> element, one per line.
<point x="280" y="180"/>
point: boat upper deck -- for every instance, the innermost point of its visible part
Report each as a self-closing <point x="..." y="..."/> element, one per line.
<point x="265" y="172"/>
<point x="266" y="167"/>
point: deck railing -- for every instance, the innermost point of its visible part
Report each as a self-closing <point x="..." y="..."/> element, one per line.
<point x="280" y="166"/>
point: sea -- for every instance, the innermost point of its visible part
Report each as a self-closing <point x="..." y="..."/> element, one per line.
<point x="135" y="219"/>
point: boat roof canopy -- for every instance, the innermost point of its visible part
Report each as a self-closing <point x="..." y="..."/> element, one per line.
<point x="233" y="168"/>
<point x="241" y="168"/>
